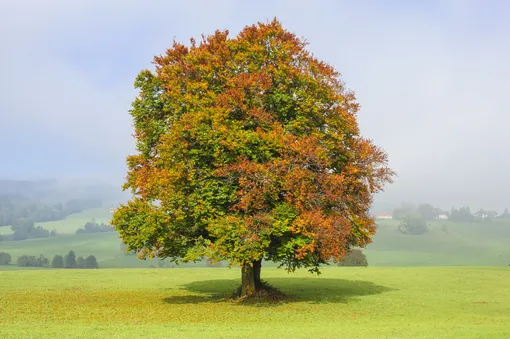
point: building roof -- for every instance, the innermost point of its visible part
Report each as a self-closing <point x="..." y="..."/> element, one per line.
<point x="383" y="214"/>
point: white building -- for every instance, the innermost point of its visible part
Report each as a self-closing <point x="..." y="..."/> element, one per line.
<point x="383" y="215"/>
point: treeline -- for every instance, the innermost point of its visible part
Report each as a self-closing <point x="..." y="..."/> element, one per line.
<point x="66" y="261"/>
<point x="428" y="212"/>
<point x="23" y="228"/>
<point x="17" y="207"/>
<point x="93" y="227"/>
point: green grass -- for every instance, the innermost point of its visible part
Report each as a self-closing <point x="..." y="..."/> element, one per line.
<point x="70" y="224"/>
<point x="471" y="244"/>
<point x="5" y="230"/>
<point x="457" y="244"/>
<point x="191" y="303"/>
<point x="102" y="245"/>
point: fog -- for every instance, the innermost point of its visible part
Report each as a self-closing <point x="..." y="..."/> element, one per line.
<point x="432" y="80"/>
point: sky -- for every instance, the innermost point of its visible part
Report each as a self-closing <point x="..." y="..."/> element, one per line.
<point x="431" y="77"/>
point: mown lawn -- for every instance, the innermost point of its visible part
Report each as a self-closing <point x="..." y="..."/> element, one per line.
<point x="192" y="303"/>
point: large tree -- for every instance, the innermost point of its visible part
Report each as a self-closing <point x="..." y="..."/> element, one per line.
<point x="248" y="149"/>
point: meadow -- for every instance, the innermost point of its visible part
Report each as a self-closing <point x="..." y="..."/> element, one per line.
<point x="446" y="244"/>
<point x="427" y="302"/>
<point x="71" y="223"/>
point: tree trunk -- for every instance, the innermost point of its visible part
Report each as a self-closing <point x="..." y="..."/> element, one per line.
<point x="247" y="280"/>
<point x="257" y="265"/>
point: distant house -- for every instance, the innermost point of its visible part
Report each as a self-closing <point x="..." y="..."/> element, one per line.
<point x="486" y="214"/>
<point x="383" y="215"/>
<point x="441" y="215"/>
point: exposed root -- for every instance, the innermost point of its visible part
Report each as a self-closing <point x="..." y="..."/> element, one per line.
<point x="265" y="293"/>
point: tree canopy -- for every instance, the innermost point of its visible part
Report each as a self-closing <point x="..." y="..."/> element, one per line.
<point x="248" y="149"/>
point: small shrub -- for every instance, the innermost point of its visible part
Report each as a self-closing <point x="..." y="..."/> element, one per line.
<point x="413" y="225"/>
<point x="5" y="258"/>
<point x="354" y="258"/>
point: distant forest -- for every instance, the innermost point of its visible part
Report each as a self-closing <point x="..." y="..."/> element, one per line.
<point x="14" y="207"/>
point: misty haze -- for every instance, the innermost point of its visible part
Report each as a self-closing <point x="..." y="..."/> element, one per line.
<point x="173" y="162"/>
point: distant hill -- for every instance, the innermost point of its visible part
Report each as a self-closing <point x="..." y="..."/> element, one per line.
<point x="53" y="191"/>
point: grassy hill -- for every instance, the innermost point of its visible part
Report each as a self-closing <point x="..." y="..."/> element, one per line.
<point x="70" y="224"/>
<point x="193" y="303"/>
<point x="446" y="244"/>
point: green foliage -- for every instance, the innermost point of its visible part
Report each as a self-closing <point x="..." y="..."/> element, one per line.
<point x="248" y="148"/>
<point x="32" y="261"/>
<point x="404" y="209"/>
<point x="80" y="262"/>
<point x="413" y="224"/>
<point x="462" y="214"/>
<point x="5" y="258"/>
<point x="91" y="262"/>
<point x="58" y="261"/>
<point x="17" y="207"/>
<point x="427" y="211"/>
<point x="93" y="227"/>
<point x="24" y="228"/>
<point x="354" y="258"/>
<point x="70" y="260"/>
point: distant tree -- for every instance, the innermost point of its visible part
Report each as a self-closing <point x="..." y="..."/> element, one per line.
<point x="413" y="224"/>
<point x="17" y="207"/>
<point x="32" y="261"/>
<point x="5" y="258"/>
<point x="25" y="260"/>
<point x="70" y="260"/>
<point x="354" y="258"/>
<point x="21" y="228"/>
<point x="80" y="262"/>
<point x="463" y="214"/>
<point x="91" y="262"/>
<point x="427" y="211"/>
<point x="405" y="208"/>
<point x="57" y="262"/>
<point x="42" y="261"/>
<point x="505" y="214"/>
<point x="93" y="227"/>
<point x="39" y="232"/>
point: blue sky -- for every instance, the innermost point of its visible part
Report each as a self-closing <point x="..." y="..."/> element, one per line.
<point x="431" y="77"/>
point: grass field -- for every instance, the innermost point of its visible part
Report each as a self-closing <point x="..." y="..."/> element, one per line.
<point x="422" y="302"/>
<point x="70" y="224"/>
<point x="446" y="244"/>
